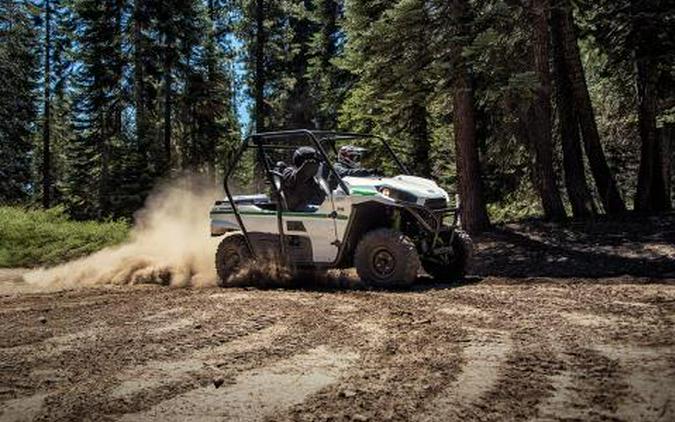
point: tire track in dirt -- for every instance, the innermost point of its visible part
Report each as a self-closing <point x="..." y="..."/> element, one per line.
<point x="93" y="396"/>
<point x="483" y="357"/>
<point x="604" y="380"/>
<point x="525" y="381"/>
<point x="397" y="369"/>
<point x="650" y="379"/>
<point x="409" y="350"/>
<point x="22" y="409"/>
<point x="257" y="393"/>
<point x="156" y="373"/>
<point x="54" y="346"/>
<point x="314" y="361"/>
<point x="76" y="387"/>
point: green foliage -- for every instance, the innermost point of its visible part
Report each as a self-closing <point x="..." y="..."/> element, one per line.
<point x="30" y="238"/>
<point x="328" y="82"/>
<point x="17" y="101"/>
<point x="387" y="50"/>
<point x="142" y="90"/>
<point x="517" y="205"/>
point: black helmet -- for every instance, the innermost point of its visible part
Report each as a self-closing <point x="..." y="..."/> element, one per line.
<point x="303" y="154"/>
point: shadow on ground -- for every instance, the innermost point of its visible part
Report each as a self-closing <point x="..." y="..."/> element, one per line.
<point x="642" y="247"/>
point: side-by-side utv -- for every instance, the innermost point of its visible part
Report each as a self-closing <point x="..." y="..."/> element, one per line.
<point x="389" y="224"/>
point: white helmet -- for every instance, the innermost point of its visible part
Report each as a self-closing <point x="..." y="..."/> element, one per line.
<point x="350" y="155"/>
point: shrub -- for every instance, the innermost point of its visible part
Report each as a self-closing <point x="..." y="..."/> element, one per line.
<point x="36" y="237"/>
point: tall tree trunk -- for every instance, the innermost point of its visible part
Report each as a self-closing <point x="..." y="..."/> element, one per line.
<point x="473" y="212"/>
<point x="651" y="187"/>
<point x="211" y="69"/>
<point x="168" y="88"/>
<point x="604" y="180"/>
<point x="578" y="191"/>
<point x="421" y="146"/>
<point x="139" y="81"/>
<point x="539" y="115"/>
<point x="259" y="83"/>
<point x="46" y="121"/>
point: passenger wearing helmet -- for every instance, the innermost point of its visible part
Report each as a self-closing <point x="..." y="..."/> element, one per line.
<point x="349" y="162"/>
<point x="299" y="182"/>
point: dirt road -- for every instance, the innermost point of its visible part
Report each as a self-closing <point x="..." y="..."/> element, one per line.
<point x="498" y="347"/>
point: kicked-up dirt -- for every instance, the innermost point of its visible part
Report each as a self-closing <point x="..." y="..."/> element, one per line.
<point x="555" y="323"/>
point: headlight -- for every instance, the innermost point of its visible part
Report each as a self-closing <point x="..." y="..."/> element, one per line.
<point x="397" y="195"/>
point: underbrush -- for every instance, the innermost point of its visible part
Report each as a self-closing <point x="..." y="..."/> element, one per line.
<point x="30" y="238"/>
<point x="516" y="206"/>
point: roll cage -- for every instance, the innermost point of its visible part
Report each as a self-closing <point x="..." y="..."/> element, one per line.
<point x="261" y="142"/>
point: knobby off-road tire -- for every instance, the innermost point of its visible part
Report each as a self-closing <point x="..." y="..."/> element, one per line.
<point x="462" y="253"/>
<point x="386" y="258"/>
<point x="231" y="255"/>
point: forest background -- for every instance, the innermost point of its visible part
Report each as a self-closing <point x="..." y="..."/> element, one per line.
<point x="553" y="108"/>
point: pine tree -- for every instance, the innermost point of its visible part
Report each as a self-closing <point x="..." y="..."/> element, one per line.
<point x="452" y="25"/>
<point x="220" y="128"/>
<point x="277" y="38"/>
<point x="391" y="58"/>
<point x="538" y="115"/>
<point x="53" y="20"/>
<point x="602" y="174"/>
<point x="46" y="119"/>
<point x="578" y="191"/>
<point x="97" y="111"/>
<point x="329" y="82"/>
<point x="637" y="38"/>
<point x="17" y="100"/>
<point x="265" y="33"/>
<point x="650" y="44"/>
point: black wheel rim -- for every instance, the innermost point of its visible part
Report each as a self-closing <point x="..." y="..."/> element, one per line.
<point x="383" y="263"/>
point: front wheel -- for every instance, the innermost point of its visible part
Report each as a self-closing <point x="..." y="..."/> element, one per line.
<point x="386" y="258"/>
<point x="231" y="256"/>
<point x="455" y="268"/>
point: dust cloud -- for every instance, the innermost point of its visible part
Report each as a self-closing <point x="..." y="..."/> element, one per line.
<point x="169" y="244"/>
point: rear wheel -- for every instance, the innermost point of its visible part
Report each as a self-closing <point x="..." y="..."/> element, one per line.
<point x="386" y="258"/>
<point x="231" y="256"/>
<point x="455" y="269"/>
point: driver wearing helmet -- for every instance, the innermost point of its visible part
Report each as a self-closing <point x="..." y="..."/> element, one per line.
<point x="349" y="162"/>
<point x="299" y="181"/>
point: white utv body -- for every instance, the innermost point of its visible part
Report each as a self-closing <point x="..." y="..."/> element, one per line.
<point x="389" y="228"/>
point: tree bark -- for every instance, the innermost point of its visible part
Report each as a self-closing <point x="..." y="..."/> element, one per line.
<point x="167" y="107"/>
<point x="210" y="156"/>
<point x="421" y="143"/>
<point x="46" y="120"/>
<point x="473" y="212"/>
<point x="139" y="81"/>
<point x="539" y="115"/>
<point x="651" y="187"/>
<point x="578" y="191"/>
<point x="604" y="179"/>
<point x="259" y="74"/>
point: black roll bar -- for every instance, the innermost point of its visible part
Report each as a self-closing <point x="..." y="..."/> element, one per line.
<point x="259" y="138"/>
